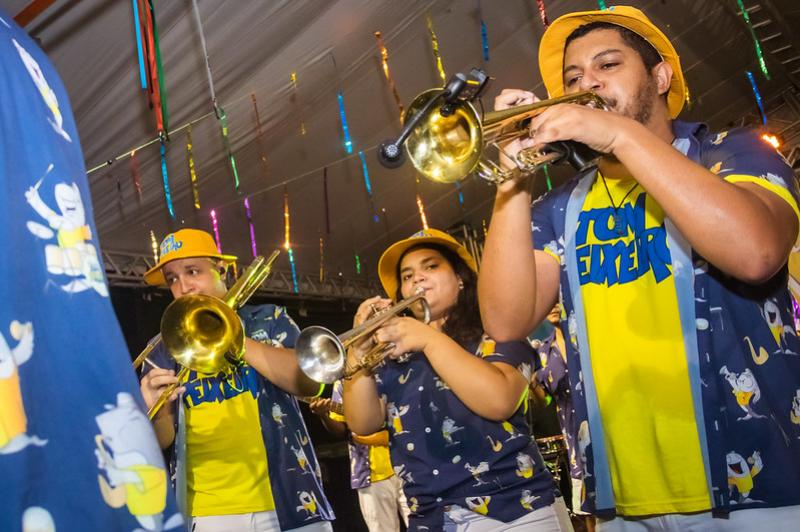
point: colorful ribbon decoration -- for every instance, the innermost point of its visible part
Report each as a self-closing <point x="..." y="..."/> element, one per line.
<point x="435" y="48"/>
<point x="368" y="185"/>
<point x="358" y="264"/>
<point x="287" y="243"/>
<point x="484" y="40"/>
<point x="262" y="157"/>
<point x="758" y="96"/>
<point x="150" y="69"/>
<point x="543" y="14"/>
<point x="348" y="145"/>
<point x="137" y="180"/>
<point x="154" y="245"/>
<point x="293" y="79"/>
<point x="252" y="229"/>
<point x="460" y="195"/>
<point x="223" y="121"/>
<point x="485" y="231"/>
<point x="388" y="74"/>
<point x="756" y="43"/>
<point x="165" y="177"/>
<point x="422" y="217"/>
<point x="192" y="173"/>
<point x="601" y="5"/>
<point x="547" y="177"/>
<point x="215" y="227"/>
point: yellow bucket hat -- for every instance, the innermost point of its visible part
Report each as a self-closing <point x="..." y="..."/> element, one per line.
<point x="551" y="48"/>
<point x="387" y="265"/>
<point x="183" y="244"/>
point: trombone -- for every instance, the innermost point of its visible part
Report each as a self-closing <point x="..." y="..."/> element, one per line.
<point x="322" y="355"/>
<point x="448" y="147"/>
<point x="204" y="333"/>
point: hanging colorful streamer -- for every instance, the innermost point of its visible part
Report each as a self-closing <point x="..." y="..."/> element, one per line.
<point x="358" y="264"/>
<point x="150" y="68"/>
<point x="137" y="180"/>
<point x="215" y="227"/>
<point x="756" y="42"/>
<point x="485" y="230"/>
<point x="210" y="77"/>
<point x="543" y="14"/>
<point x="293" y="79"/>
<point x="192" y="173"/>
<point x="601" y="4"/>
<point x="422" y="216"/>
<point x="154" y="245"/>
<point x="435" y="48"/>
<point x="252" y="229"/>
<point x="460" y="195"/>
<point x="139" y="49"/>
<point x="385" y="64"/>
<point x="687" y="97"/>
<point x="485" y="40"/>
<point x="165" y="177"/>
<point x="223" y="121"/>
<point x="758" y="96"/>
<point x="287" y="243"/>
<point x="261" y="154"/>
<point x="368" y="185"/>
<point x="348" y="145"/>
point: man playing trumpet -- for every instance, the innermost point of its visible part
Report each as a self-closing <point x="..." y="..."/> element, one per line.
<point x="670" y="262"/>
<point x="228" y="432"/>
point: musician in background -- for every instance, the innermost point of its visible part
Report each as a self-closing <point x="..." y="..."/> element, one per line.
<point x="670" y="261"/>
<point x="552" y="380"/>
<point x="454" y="407"/>
<point x="239" y="448"/>
<point x="380" y="491"/>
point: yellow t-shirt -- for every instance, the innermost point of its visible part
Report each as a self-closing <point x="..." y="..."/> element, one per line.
<point x="637" y="352"/>
<point x="226" y="470"/>
<point x="380" y="463"/>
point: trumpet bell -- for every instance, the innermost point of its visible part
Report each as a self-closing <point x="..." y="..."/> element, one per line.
<point x="320" y="354"/>
<point x="206" y="334"/>
<point x="445" y="148"/>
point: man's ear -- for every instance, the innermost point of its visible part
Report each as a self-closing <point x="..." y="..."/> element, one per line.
<point x="663" y="73"/>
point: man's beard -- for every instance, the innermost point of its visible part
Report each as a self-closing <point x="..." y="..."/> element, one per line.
<point x="641" y="108"/>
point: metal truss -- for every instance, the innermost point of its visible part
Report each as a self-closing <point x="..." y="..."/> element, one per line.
<point x="126" y="269"/>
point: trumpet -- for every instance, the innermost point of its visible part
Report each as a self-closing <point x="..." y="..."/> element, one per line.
<point x="204" y="333"/>
<point x="447" y="147"/>
<point x="322" y="355"/>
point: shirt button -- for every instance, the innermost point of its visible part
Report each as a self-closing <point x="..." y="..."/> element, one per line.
<point x="435" y="471"/>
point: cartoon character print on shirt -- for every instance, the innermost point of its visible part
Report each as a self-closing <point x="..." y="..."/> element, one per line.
<point x="479" y="504"/>
<point x="49" y="97"/>
<point x="477" y="471"/>
<point x="745" y="389"/>
<point x="779" y="330"/>
<point x="511" y="430"/>
<point x="132" y="470"/>
<point x="741" y="473"/>
<point x="524" y="465"/>
<point x="308" y="504"/>
<point x="278" y="415"/>
<point x="794" y="415"/>
<point x="13" y="421"/>
<point x="72" y="254"/>
<point x="403" y="474"/>
<point x="584" y="440"/>
<point x="449" y="428"/>
<point x="527" y="498"/>
<point x="395" y="414"/>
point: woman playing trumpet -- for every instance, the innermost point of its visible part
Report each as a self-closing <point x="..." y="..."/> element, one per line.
<point x="454" y="409"/>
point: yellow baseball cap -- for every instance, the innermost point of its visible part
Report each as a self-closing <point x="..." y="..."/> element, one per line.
<point x="387" y="265"/>
<point x="551" y="48"/>
<point x="183" y="244"/>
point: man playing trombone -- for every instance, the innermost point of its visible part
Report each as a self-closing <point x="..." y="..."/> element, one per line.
<point x="670" y="261"/>
<point x="239" y="446"/>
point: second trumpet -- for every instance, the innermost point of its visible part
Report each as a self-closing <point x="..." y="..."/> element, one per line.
<point x="322" y="355"/>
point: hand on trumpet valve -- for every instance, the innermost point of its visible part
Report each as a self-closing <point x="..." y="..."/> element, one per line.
<point x="404" y="335"/>
<point x="155" y="382"/>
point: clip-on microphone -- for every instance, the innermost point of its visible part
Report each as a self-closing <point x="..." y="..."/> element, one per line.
<point x="460" y="88"/>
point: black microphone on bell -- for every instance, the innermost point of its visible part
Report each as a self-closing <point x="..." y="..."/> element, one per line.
<point x="460" y="88"/>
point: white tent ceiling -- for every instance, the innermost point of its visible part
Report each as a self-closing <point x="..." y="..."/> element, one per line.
<point x="254" y="46"/>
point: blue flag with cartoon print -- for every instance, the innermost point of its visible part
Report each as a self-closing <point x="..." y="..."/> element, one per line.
<point x="76" y="450"/>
